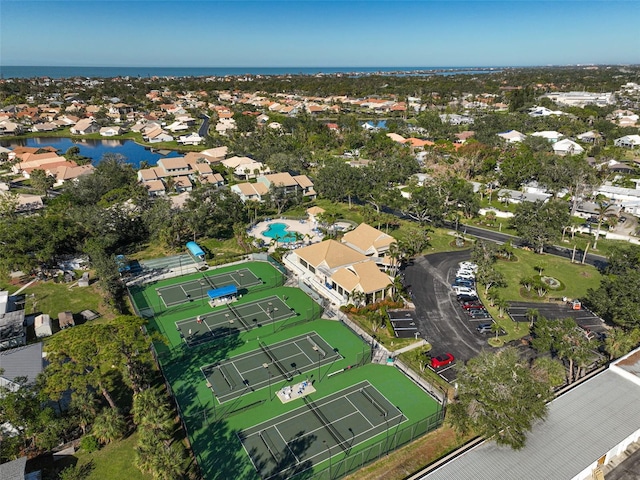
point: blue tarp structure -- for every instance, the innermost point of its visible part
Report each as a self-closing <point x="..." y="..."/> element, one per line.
<point x="195" y="250"/>
<point x="221" y="292"/>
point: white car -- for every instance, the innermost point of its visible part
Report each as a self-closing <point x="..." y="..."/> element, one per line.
<point x="465" y="274"/>
<point x="464" y="291"/>
<point x="468" y="266"/>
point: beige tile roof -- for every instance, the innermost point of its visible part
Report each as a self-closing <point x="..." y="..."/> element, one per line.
<point x="147" y="174"/>
<point x="202" y="168"/>
<point x="252" y="188"/>
<point x="281" y="179"/>
<point x="368" y="239"/>
<point x="365" y="275"/>
<point x="303" y="181"/>
<point x="173" y="163"/>
<point x="315" y="210"/>
<point x="331" y="253"/>
<point x="70" y="172"/>
<point x="155" y="186"/>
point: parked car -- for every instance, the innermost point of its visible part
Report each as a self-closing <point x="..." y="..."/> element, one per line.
<point x="468" y="266"/>
<point x="465" y="280"/>
<point x="623" y="219"/>
<point x="463" y="297"/>
<point x="478" y="314"/>
<point x="442" y="360"/>
<point x="484" y="328"/>
<point x="465" y="290"/>
<point x="473" y="306"/>
<point x="463" y="283"/>
<point x="466" y="274"/>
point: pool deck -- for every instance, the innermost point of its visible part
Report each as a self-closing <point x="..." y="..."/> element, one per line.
<point x="304" y="227"/>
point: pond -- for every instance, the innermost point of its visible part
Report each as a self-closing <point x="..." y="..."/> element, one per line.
<point x="95" y="149"/>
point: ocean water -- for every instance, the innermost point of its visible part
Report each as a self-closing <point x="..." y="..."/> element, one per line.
<point x="8" y="71"/>
<point x="95" y="149"/>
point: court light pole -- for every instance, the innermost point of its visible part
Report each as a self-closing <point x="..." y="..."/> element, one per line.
<point x="202" y="290"/>
<point x="329" y="451"/>
<point x="213" y="399"/>
<point x="386" y="422"/>
<point x="266" y="367"/>
<point x="318" y="352"/>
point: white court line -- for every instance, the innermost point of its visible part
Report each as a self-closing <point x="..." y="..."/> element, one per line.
<point x="288" y="447"/>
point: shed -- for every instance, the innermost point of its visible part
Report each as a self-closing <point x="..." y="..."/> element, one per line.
<point x="66" y="319"/>
<point x="196" y="251"/>
<point x="42" y="325"/>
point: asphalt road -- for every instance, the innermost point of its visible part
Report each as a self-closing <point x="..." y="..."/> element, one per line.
<point x="440" y="319"/>
<point x="596" y="260"/>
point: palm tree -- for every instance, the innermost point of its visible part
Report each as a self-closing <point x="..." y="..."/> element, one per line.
<point x="109" y="425"/>
<point x="532" y="315"/>
<point x="603" y="210"/>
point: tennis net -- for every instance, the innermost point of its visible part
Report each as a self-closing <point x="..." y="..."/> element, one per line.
<point x="240" y="319"/>
<point x="275" y="361"/>
<point x="330" y="428"/>
<point x="366" y="394"/>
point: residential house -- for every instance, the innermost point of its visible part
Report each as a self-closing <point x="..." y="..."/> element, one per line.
<point x="628" y="141"/>
<point x="13" y="331"/>
<point x="44" y="127"/>
<point x="175" y="166"/>
<point x="567" y="147"/>
<point x="368" y="240"/>
<point x="516" y="196"/>
<point x="250" y="191"/>
<point x="157" y="135"/>
<point x="462" y="137"/>
<point x="549" y="135"/>
<point x="291" y="184"/>
<point x="7" y="127"/>
<point x="68" y="173"/>
<point x="24" y="363"/>
<point x="191" y="139"/>
<point x="589" y="137"/>
<point x="455" y="119"/>
<point x="585" y="429"/>
<point x="543" y="112"/>
<point x="28" y="203"/>
<point x="245" y="167"/>
<point x="85" y="126"/>
<point x="155" y="188"/>
<point x="111" y="131"/>
<point x="512" y="136"/>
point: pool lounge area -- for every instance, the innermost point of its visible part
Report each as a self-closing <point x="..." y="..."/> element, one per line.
<point x="288" y="233"/>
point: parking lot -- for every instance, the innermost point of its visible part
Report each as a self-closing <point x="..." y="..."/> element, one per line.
<point x="439" y="318"/>
<point x="556" y="311"/>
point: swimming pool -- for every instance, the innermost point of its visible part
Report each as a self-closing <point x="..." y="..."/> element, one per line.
<point x="280" y="233"/>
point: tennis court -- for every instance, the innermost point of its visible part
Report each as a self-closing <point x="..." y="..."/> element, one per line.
<point x="320" y="429"/>
<point x="196" y="289"/>
<point x="255" y="370"/>
<point x="232" y="318"/>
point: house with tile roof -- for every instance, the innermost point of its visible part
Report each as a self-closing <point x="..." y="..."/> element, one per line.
<point x="337" y="271"/>
<point x="85" y="126"/>
<point x="250" y="191"/>
<point x="368" y="240"/>
<point x="567" y="147"/>
<point x="290" y="183"/>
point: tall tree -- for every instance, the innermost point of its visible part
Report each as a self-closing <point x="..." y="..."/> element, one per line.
<point x="540" y="223"/>
<point x="499" y="397"/>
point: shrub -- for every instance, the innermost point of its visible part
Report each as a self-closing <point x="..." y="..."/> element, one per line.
<point x="89" y="443"/>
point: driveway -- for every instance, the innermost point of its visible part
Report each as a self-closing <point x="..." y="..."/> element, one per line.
<point x="440" y="319"/>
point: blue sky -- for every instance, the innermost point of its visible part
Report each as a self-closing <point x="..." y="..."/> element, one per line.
<point x="317" y="33"/>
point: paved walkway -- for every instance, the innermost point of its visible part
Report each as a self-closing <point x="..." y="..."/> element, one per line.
<point x="304" y="227"/>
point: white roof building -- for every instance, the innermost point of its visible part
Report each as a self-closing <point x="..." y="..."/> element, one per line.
<point x="567" y="147"/>
<point x="512" y="136"/>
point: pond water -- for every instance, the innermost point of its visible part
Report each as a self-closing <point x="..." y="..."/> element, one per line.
<point x="95" y="149"/>
<point x="280" y="232"/>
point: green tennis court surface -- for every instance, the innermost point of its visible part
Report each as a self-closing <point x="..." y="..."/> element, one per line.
<point x="255" y="370"/>
<point x="229" y="319"/>
<point x="319" y="429"/>
<point x="196" y="289"/>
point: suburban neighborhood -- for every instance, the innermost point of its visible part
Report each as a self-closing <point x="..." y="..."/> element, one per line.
<point x="439" y="275"/>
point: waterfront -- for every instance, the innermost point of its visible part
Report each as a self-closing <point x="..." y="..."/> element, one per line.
<point x="9" y="71"/>
<point x="95" y="149"/>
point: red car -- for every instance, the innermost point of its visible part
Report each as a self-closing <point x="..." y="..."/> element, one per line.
<point x="442" y="360"/>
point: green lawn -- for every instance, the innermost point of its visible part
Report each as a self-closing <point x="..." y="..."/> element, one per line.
<point x="114" y="461"/>
<point x="52" y="298"/>
<point x="576" y="278"/>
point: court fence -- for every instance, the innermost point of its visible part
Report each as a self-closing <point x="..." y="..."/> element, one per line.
<point x="394" y="439"/>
